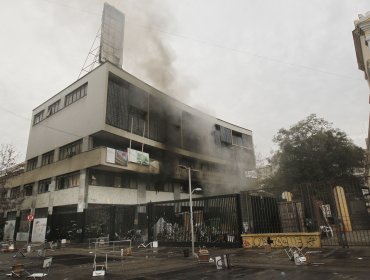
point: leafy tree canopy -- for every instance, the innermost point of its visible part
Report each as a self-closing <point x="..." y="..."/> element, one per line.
<point x="312" y="151"/>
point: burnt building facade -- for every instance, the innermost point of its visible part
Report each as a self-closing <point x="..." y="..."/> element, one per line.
<point x="111" y="139"/>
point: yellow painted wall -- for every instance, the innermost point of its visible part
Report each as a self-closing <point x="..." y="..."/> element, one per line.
<point x="310" y="240"/>
<point x="342" y="208"/>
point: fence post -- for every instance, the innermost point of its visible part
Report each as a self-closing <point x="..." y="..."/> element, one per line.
<point x="112" y="216"/>
<point x="239" y="217"/>
<point x="83" y="223"/>
<point x="149" y="211"/>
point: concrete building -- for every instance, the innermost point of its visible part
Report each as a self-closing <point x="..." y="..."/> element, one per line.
<point x="111" y="139"/>
<point x="361" y="38"/>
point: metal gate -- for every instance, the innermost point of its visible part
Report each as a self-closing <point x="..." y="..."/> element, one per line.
<point x="337" y="211"/>
<point x="216" y="220"/>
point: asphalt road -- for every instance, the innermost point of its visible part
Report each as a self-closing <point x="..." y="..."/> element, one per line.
<point x="169" y="263"/>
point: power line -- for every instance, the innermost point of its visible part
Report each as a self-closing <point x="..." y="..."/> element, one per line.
<point x="242" y="51"/>
<point x="216" y="45"/>
<point x="41" y="124"/>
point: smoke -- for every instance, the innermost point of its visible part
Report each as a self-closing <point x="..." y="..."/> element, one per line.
<point x="147" y="52"/>
<point x="149" y="56"/>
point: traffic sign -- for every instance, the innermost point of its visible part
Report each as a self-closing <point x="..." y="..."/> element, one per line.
<point x="30" y="218"/>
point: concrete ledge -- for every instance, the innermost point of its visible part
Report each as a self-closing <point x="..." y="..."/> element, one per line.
<point x="280" y="240"/>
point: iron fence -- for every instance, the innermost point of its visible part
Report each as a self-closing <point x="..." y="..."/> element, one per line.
<point x="216" y="220"/>
<point x="337" y="211"/>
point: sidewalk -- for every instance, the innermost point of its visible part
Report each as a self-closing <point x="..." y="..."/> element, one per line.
<point x="75" y="262"/>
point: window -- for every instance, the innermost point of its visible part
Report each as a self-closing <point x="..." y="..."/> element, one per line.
<point x="3" y="194"/>
<point x="150" y="186"/>
<point x="225" y="135"/>
<point x="237" y="138"/>
<point x="168" y="187"/>
<point x="137" y="120"/>
<point x="31" y="164"/>
<point x="53" y="108"/>
<point x="75" y="95"/>
<point x="15" y="192"/>
<point x="47" y="158"/>
<point x="70" y="150"/>
<point x="247" y="141"/>
<point x="44" y="186"/>
<point x="41" y="212"/>
<point x="68" y="180"/>
<point x="111" y="179"/>
<point x="28" y="189"/>
<point x="38" y="117"/>
<point x="11" y="215"/>
<point x="159" y="186"/>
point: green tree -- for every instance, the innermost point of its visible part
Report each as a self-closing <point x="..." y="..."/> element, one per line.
<point x="313" y="151"/>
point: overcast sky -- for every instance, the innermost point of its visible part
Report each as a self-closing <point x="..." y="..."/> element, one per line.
<point x="262" y="65"/>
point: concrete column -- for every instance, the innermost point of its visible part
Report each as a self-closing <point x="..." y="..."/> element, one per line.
<point x="52" y="187"/>
<point x="34" y="194"/>
<point x="141" y="193"/>
<point x="56" y="154"/>
<point x="87" y="143"/>
<point x="176" y="191"/>
<point x="82" y="191"/>
<point x="39" y="161"/>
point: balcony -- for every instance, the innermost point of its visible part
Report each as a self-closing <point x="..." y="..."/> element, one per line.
<point x="92" y="158"/>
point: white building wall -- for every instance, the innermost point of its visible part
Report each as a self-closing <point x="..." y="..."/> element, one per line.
<point x="42" y="200"/>
<point x="79" y="119"/>
<point x="152" y="196"/>
<point x="108" y="195"/>
<point x="65" y="197"/>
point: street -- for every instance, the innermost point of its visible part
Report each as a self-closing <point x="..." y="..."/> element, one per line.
<point x="169" y="263"/>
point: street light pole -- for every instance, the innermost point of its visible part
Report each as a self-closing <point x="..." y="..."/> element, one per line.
<point x="191" y="205"/>
<point x="191" y="213"/>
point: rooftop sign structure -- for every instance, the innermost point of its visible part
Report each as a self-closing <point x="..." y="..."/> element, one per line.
<point x="111" y="40"/>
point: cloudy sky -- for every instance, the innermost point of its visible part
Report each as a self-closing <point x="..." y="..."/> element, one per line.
<point x="262" y="65"/>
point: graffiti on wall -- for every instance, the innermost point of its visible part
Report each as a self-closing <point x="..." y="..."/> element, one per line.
<point x="9" y="230"/>
<point x="39" y="230"/>
<point x="282" y="240"/>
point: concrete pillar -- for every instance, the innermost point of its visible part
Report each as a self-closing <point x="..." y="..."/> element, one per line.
<point x="56" y="154"/>
<point x="34" y="194"/>
<point x="39" y="158"/>
<point x="52" y="187"/>
<point x="176" y="191"/>
<point x="87" y="143"/>
<point x="141" y="192"/>
<point x="82" y="191"/>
